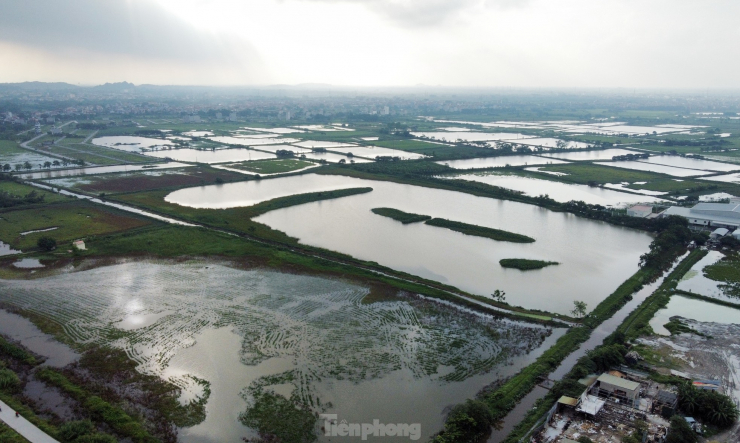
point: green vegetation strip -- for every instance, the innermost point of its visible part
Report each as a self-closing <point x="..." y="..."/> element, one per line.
<point x="112" y="415"/>
<point x="479" y="231"/>
<point x="524" y="264"/>
<point x="403" y="217"/>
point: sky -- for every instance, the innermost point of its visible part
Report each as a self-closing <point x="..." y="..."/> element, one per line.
<point x="453" y="43"/>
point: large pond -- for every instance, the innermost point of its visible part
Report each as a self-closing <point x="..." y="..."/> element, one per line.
<point x="694" y="309"/>
<point x="398" y="361"/>
<point x="650" y="167"/>
<point x="217" y="156"/>
<point x="557" y="191"/>
<point x="595" y="257"/>
<point x="332" y="157"/>
<point x="603" y="154"/>
<point x="499" y="162"/>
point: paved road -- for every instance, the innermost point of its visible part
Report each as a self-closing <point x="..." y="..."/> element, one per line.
<point x="23" y="426"/>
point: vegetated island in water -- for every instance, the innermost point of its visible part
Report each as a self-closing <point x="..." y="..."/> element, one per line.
<point x="524" y="264"/>
<point x="403" y="217"/>
<point x="480" y="231"/>
<point x="463" y="228"/>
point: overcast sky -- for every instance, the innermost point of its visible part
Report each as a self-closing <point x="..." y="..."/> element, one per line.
<point x="473" y="43"/>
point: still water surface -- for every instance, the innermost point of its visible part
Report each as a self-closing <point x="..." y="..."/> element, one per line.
<point x="595" y="257"/>
<point x="499" y="162"/>
<point x="561" y="192"/>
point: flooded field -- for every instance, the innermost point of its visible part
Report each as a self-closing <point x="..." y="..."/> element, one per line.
<point x="699" y="310"/>
<point x="603" y="154"/>
<point x="557" y="191"/>
<point x="217" y="156"/>
<point x="695" y="281"/>
<point x="130" y="143"/>
<point x="661" y="169"/>
<point x="309" y="339"/>
<point x="332" y="157"/>
<point x="499" y="162"/>
<point x="256" y="141"/>
<point x="321" y="144"/>
<point x="374" y="151"/>
<point x="5" y="249"/>
<point x="551" y="143"/>
<point x="99" y="170"/>
<point x="471" y="136"/>
<point x="691" y="163"/>
<point x="595" y="257"/>
<point x="728" y="178"/>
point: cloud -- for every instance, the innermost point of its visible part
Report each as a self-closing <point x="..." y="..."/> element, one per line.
<point x="421" y="13"/>
<point x="126" y="27"/>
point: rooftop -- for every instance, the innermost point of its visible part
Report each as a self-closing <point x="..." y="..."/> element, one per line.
<point x="620" y="382"/>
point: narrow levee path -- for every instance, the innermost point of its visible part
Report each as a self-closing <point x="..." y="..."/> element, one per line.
<point x="597" y="337"/>
<point x="22" y="426"/>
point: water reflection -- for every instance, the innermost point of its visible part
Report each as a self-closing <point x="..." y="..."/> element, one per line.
<point x="595" y="257"/>
<point x="694" y="309"/>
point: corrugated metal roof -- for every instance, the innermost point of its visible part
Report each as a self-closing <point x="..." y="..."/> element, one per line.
<point x="620" y="382"/>
<point x="570" y="401"/>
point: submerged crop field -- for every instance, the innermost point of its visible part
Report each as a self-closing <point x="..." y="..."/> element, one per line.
<point x="315" y="342"/>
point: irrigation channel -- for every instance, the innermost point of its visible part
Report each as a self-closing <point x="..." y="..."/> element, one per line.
<point x="597" y="337"/>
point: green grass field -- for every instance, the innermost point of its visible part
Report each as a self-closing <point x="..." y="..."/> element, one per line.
<point x="479" y="231"/>
<point x="525" y="265"/>
<point x="73" y="220"/>
<point x="21" y="189"/>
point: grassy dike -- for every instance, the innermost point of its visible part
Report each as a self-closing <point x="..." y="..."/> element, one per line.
<point x="524" y="264"/>
<point x="479" y="231"/>
<point x="635" y="322"/>
<point x="403" y="217"/>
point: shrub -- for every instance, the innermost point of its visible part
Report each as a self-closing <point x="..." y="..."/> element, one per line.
<point x="47" y="243"/>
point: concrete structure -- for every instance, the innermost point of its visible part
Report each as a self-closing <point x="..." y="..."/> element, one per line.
<point x="718" y="233"/>
<point x="611" y="386"/>
<point x="22" y="426"/>
<point x="640" y="211"/>
<point x="715" y="215"/>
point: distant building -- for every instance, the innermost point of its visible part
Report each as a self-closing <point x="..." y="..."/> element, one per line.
<point x="51" y="120"/>
<point x="219" y="115"/>
<point x="37" y="128"/>
<point x="386" y="110"/>
<point x="232" y="117"/>
<point x="640" y="211"/>
<point x="736" y="234"/>
<point x="718" y="233"/>
<point x="716" y="215"/>
<point x="55" y="130"/>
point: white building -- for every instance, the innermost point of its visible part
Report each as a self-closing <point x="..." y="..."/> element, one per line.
<point x="640" y="211"/>
<point x="715" y="215"/>
<point x="79" y="244"/>
<point x="55" y="130"/>
<point x="718" y="233"/>
<point x="232" y="117"/>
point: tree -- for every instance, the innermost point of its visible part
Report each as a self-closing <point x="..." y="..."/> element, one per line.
<point x="499" y="296"/>
<point x="47" y="243"/>
<point x="470" y="421"/>
<point x="680" y="431"/>
<point x="47" y="164"/>
<point x="6" y="167"/>
<point x="27" y="166"/>
<point x="579" y="308"/>
<point x="18" y="166"/>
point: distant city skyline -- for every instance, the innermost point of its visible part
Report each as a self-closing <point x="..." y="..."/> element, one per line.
<point x="380" y="43"/>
